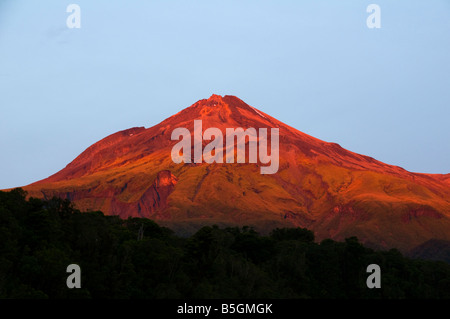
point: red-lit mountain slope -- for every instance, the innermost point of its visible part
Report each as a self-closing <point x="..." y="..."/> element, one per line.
<point x="319" y="185"/>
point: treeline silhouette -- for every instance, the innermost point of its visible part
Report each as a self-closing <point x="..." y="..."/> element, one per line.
<point x="136" y="258"/>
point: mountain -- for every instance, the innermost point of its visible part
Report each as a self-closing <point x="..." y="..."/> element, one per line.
<point x="318" y="185"/>
<point x="433" y="249"/>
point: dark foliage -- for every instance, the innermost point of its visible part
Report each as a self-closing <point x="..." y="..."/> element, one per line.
<point x="136" y="258"/>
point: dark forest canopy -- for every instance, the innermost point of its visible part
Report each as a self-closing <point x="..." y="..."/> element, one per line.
<point x="136" y="258"/>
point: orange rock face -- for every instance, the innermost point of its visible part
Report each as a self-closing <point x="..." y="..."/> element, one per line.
<point x="319" y="185"/>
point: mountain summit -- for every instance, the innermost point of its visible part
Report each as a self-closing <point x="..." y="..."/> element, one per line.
<point x="318" y="185"/>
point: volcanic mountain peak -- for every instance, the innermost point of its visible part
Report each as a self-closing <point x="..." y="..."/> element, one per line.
<point x="215" y="99"/>
<point x="225" y="106"/>
<point x="319" y="185"/>
<point x="215" y="105"/>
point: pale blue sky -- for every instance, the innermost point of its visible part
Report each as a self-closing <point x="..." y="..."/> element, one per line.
<point x="312" y="64"/>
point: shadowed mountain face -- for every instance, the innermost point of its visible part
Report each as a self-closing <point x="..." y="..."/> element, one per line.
<point x="433" y="249"/>
<point x="319" y="185"/>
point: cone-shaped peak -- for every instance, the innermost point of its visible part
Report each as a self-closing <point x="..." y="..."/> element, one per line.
<point x="220" y="101"/>
<point x="213" y="101"/>
<point x="318" y="184"/>
<point x="214" y="106"/>
<point x="215" y="97"/>
<point x="225" y="106"/>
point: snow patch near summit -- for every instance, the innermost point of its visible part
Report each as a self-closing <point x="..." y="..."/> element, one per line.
<point x="257" y="111"/>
